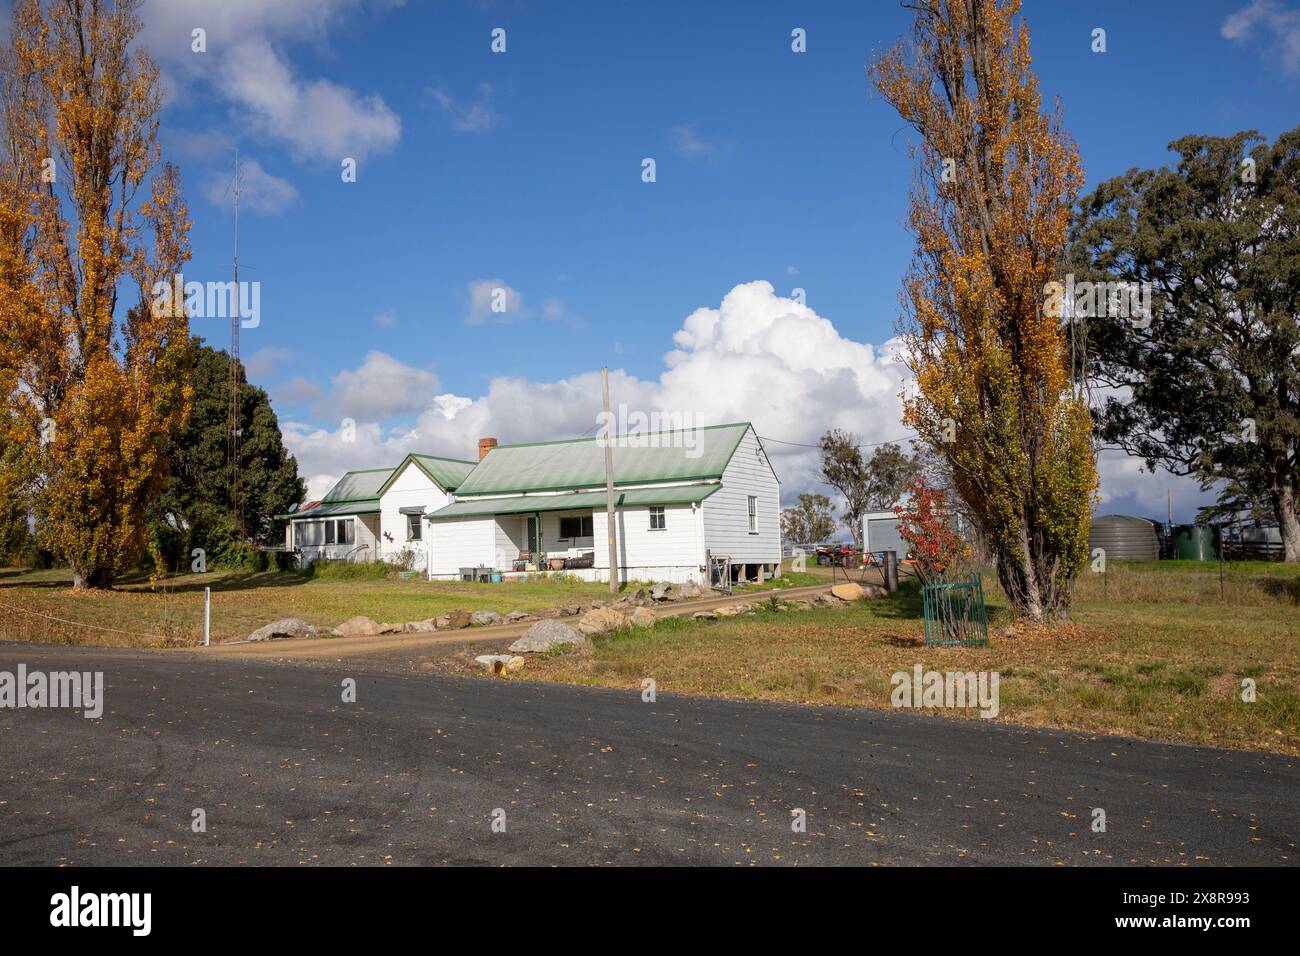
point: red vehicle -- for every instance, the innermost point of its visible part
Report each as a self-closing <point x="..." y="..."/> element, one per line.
<point x="841" y="554"/>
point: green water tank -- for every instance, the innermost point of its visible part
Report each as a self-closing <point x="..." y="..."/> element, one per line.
<point x="1194" y="542"/>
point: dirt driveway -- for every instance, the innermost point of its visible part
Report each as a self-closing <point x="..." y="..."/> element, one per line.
<point x="418" y="651"/>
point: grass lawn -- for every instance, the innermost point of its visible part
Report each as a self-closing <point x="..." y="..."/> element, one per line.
<point x="172" y="614"/>
<point x="136" y="614"/>
<point x="1154" y="650"/>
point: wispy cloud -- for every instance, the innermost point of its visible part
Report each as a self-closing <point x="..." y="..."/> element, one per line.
<point x="1278" y="24"/>
<point x="689" y="143"/>
<point x="262" y="363"/>
<point x="248" y="67"/>
<point x="493" y="300"/>
<point x="260" y="192"/>
<point x="386" y="319"/>
<point x="465" y="117"/>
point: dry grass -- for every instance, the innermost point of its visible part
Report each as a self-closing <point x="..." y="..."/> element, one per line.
<point x="138" y="615"/>
<point x="1156" y="658"/>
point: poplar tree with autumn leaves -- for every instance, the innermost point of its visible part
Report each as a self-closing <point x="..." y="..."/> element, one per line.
<point x="95" y="381"/>
<point x="991" y="200"/>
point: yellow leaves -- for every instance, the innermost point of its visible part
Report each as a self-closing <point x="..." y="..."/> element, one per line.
<point x="110" y="384"/>
<point x="982" y="350"/>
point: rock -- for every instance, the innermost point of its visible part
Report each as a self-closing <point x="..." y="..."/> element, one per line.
<point x="571" y="610"/>
<point x="824" y="600"/>
<point x="359" y="626"/>
<point x="705" y="615"/>
<point x="516" y="663"/>
<point x="730" y="611"/>
<point x="388" y="628"/>
<point x="518" y="616"/>
<point x="642" y="617"/>
<point x="484" y="618"/>
<point x="550" y="613"/>
<point x="500" y="664"/>
<point x="419" y="627"/>
<point x="545" y="635"/>
<point x="849" y="592"/>
<point x="687" y="591"/>
<point x="875" y="592"/>
<point x="458" y="619"/>
<point x="286" y="627"/>
<point x="442" y="623"/>
<point x="744" y="608"/>
<point x="599" y="620"/>
<point x="640" y="597"/>
<point x="659" y="591"/>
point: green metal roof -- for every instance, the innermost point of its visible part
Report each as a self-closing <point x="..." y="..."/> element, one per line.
<point x="527" y="504"/>
<point x="684" y="455"/>
<point x="447" y="473"/>
<point x="358" y="485"/>
<point x="366" y="506"/>
<point x="356" y="493"/>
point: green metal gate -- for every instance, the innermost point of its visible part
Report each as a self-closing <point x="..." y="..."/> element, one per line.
<point x="954" y="613"/>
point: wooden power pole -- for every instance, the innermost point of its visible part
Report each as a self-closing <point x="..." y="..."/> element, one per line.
<point x="609" y="483"/>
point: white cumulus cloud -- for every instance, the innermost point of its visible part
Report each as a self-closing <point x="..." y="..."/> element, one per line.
<point x="756" y="356"/>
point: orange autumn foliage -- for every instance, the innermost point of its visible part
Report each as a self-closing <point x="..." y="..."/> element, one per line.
<point x="93" y="386"/>
<point x="990" y="206"/>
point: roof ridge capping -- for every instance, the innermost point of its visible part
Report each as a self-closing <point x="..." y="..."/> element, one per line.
<point x="584" y="438"/>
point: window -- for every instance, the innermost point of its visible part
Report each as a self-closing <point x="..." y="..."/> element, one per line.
<point x="657" y="519"/>
<point x="753" y="514"/>
<point x="579" y="526"/>
<point x="413" y="527"/>
<point x="312" y="534"/>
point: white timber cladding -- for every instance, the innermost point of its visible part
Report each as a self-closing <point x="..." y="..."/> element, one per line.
<point x="726" y="512"/>
<point x="671" y="553"/>
<point x="469" y="543"/>
<point x="411" y="488"/>
<point x="365" y="532"/>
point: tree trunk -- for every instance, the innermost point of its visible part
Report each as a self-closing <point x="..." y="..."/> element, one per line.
<point x="83" y="580"/>
<point x="1284" y="503"/>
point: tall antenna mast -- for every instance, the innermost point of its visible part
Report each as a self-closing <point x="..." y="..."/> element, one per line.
<point x="233" y="388"/>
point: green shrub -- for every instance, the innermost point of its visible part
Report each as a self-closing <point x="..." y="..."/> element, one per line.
<point x="334" y="570"/>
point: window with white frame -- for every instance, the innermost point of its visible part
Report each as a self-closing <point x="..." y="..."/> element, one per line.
<point x="413" y="527"/>
<point x="312" y="534"/>
<point x="753" y="514"/>
<point x="658" y="521"/>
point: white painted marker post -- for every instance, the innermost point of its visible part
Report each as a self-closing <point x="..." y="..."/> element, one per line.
<point x="207" y="615"/>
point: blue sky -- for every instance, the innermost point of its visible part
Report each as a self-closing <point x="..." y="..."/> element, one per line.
<point x="522" y="170"/>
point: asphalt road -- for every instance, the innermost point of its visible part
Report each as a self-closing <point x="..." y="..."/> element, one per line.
<point x="412" y="772"/>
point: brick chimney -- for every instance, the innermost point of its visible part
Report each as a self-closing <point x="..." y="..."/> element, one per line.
<point x="485" y="445"/>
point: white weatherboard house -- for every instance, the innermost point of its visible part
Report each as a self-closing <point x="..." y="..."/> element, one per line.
<point x="376" y="513"/>
<point x="686" y="502"/>
<point x="692" y="505"/>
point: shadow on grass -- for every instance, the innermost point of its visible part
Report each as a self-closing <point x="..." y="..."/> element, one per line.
<point x="238" y="581"/>
<point x="903" y="604"/>
<point x="1287" y="589"/>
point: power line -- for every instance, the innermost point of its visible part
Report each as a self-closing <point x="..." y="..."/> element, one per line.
<point x="874" y="444"/>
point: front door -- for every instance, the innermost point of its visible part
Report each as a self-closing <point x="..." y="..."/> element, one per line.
<point x="533" y="536"/>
